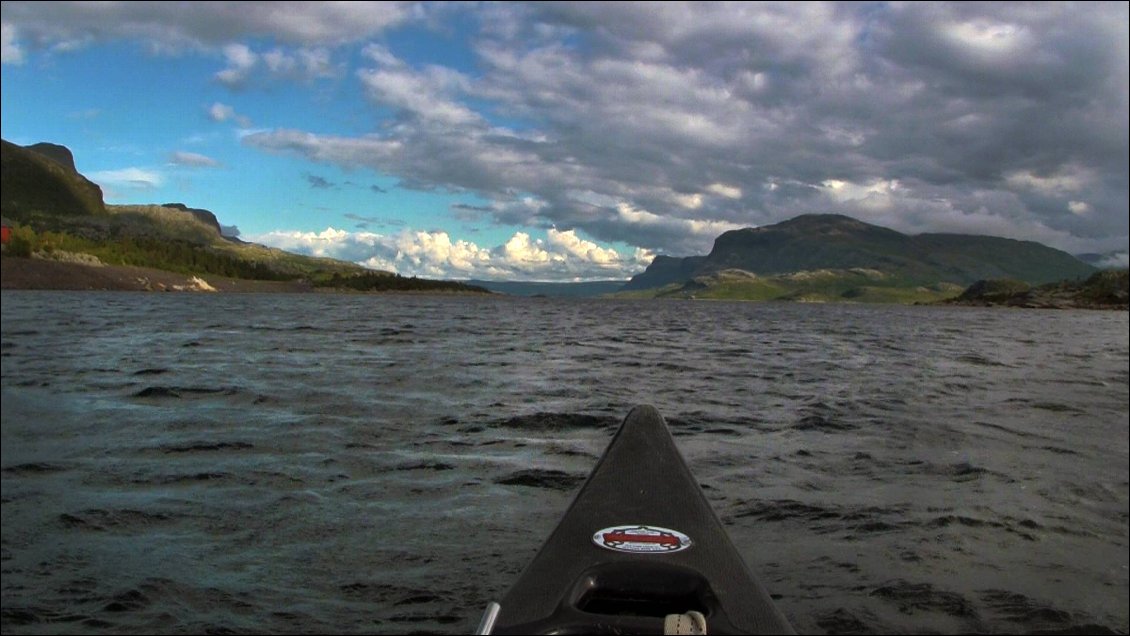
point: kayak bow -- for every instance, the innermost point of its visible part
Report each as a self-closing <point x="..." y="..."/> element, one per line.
<point x="640" y="550"/>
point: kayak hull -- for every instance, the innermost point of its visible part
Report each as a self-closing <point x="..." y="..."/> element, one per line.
<point x="639" y="542"/>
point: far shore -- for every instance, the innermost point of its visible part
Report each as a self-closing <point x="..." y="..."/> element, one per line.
<point x="35" y="273"/>
<point x="44" y="274"/>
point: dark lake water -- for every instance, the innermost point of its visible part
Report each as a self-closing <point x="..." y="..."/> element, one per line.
<point x="180" y="463"/>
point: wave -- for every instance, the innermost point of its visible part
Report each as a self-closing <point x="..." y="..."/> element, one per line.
<point x="980" y="360"/>
<point x="102" y="519"/>
<point x="557" y="421"/>
<point x="910" y="597"/>
<point x="1032" y="616"/>
<point x="855" y="523"/>
<point x="542" y="478"/>
<point x="183" y="391"/>
<point x="35" y="468"/>
<point x="205" y="447"/>
<point x="426" y="465"/>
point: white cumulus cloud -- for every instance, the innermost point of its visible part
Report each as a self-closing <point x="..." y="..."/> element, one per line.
<point x="128" y="178"/>
<point x="10" y="51"/>
<point x="569" y="243"/>
<point x="219" y="112"/>
<point x="561" y="256"/>
<point x="723" y="190"/>
<point x="241" y="62"/>
<point x="302" y="64"/>
<point x="192" y="160"/>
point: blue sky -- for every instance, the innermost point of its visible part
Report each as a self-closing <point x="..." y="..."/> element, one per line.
<point x="568" y="141"/>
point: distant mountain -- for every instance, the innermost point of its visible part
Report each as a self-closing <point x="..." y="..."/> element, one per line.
<point x="206" y="217"/>
<point x="59" y="154"/>
<point x="665" y="270"/>
<point x="832" y="243"/>
<point x="1105" y="260"/>
<point x="40" y="181"/>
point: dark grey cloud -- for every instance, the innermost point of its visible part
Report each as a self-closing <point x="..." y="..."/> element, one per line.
<point x="368" y="221"/>
<point x="176" y="25"/>
<point x="659" y="125"/>
<point x="320" y="183"/>
<point x="377" y="189"/>
<point x="472" y="208"/>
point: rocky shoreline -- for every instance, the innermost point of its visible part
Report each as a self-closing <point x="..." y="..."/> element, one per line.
<point x="1103" y="290"/>
<point x="36" y="273"/>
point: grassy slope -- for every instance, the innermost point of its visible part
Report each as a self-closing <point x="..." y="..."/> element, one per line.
<point x="55" y="211"/>
<point x="54" y="208"/>
<point x="991" y="257"/>
<point x="854" y="285"/>
<point x="822" y="257"/>
<point x="836" y="242"/>
<point x="36" y="188"/>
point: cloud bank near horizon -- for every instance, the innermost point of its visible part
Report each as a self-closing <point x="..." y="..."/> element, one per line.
<point x="561" y="256"/>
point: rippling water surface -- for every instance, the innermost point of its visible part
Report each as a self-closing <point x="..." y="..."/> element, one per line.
<point x="384" y="464"/>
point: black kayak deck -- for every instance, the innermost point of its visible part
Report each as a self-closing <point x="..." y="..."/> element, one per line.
<point x="639" y="542"/>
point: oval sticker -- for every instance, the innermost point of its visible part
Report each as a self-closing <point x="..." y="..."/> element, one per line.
<point x="641" y="538"/>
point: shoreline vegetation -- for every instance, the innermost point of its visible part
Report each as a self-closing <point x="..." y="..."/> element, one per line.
<point x="61" y="275"/>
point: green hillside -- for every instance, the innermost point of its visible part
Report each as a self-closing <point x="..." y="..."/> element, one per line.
<point x="38" y="189"/>
<point x="971" y="258"/>
<point x="55" y="212"/>
<point x="834" y="258"/>
<point x="856" y="285"/>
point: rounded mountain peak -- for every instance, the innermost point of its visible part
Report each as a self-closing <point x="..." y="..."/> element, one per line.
<point x="61" y="155"/>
